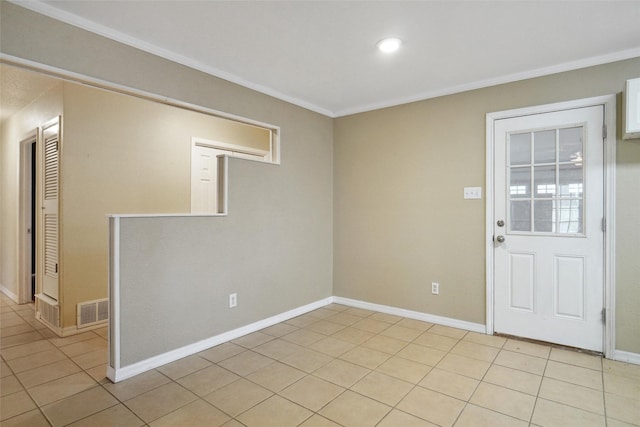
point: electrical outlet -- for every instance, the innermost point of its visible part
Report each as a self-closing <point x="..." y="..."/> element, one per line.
<point x="233" y="300"/>
<point x="435" y="288"/>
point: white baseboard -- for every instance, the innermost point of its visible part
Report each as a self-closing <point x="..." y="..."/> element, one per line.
<point x="8" y="293"/>
<point x="74" y="330"/>
<point x="432" y="318"/>
<point x="120" y="374"/>
<point x="55" y="329"/>
<point x="65" y="332"/>
<point x="125" y="372"/>
<point x="626" y="356"/>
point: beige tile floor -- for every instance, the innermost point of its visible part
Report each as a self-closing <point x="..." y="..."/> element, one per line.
<point x="336" y="366"/>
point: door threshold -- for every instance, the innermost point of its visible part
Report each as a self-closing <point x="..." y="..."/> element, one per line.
<point x="551" y="344"/>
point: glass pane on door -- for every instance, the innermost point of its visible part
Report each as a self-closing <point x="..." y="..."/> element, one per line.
<point x="544" y="146"/>
<point x="546" y="181"/>
<point x="544" y="220"/>
<point x="520" y="148"/>
<point x="570" y="220"/>
<point x="520" y="185"/>
<point x="571" y="180"/>
<point x="520" y="215"/>
<point x="570" y="144"/>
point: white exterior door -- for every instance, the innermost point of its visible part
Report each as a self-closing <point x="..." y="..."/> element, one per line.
<point x="548" y="235"/>
<point x="204" y="179"/>
<point x="49" y="218"/>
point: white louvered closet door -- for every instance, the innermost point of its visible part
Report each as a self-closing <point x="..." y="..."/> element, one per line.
<point x="50" y="193"/>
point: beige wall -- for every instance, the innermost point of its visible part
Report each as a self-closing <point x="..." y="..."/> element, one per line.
<point x="177" y="271"/>
<point x="628" y="245"/>
<point x="400" y="221"/>
<point x="14" y="130"/>
<point x="122" y="154"/>
<point x="301" y="192"/>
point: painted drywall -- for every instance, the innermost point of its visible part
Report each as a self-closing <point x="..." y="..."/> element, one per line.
<point x="177" y="271"/>
<point x="400" y="220"/>
<point x="628" y="245"/>
<point x="398" y="172"/>
<point x="123" y="154"/>
<point x="14" y="130"/>
<point x="301" y="194"/>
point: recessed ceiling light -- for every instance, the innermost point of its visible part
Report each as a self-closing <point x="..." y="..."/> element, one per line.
<point x="389" y="45"/>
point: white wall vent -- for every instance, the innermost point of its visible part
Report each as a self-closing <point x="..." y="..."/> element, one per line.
<point x="48" y="310"/>
<point x="93" y="312"/>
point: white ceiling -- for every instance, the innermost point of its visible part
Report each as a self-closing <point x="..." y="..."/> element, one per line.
<point x="322" y="55"/>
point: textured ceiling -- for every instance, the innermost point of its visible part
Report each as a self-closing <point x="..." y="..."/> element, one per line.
<point x="18" y="88"/>
<point x="322" y="55"/>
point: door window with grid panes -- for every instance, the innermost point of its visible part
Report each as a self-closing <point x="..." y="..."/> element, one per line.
<point x="546" y="181"/>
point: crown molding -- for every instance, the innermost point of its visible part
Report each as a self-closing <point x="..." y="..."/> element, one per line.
<point x="46" y="9"/>
<point x="509" y="78"/>
<point x="93" y="27"/>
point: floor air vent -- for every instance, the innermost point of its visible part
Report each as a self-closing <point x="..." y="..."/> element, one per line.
<point x="93" y="312"/>
<point x="48" y="309"/>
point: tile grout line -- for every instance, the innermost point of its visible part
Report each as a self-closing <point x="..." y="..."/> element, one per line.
<point x="13" y="373"/>
<point x="467" y="402"/>
<point x="38" y="407"/>
<point x="361" y="345"/>
<point x="535" y="403"/>
<point x="67" y="357"/>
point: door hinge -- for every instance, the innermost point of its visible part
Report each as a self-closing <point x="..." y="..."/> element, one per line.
<point x="604" y="225"/>
<point x="604" y="131"/>
<point x="604" y="315"/>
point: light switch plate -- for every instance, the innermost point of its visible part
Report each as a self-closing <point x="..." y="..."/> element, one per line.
<point x="473" y="192"/>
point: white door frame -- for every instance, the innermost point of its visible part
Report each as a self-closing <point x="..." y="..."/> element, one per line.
<point x="24" y="216"/>
<point x="609" y="103"/>
<point x="233" y="150"/>
<point x="203" y="142"/>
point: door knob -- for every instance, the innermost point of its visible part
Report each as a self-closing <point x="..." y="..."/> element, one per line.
<point x="500" y="223"/>
<point x="500" y="238"/>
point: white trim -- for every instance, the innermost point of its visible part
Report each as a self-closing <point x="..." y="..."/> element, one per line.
<point x="609" y="103"/>
<point x="110" y="33"/>
<point x="223" y="184"/>
<point x="626" y="356"/>
<point x="610" y="223"/>
<point x="8" y="293"/>
<point x="489" y="197"/>
<point x="509" y="78"/>
<point x="127" y="90"/>
<point x="114" y="295"/>
<point x="116" y="374"/>
<point x="209" y="143"/>
<point x="74" y="330"/>
<point x="25" y="185"/>
<point x="425" y="317"/>
<point x="223" y="194"/>
<point x="105" y="85"/>
<point x="230" y="150"/>
<point x="68" y="330"/>
<point x="88" y="25"/>
<point x="55" y="329"/>
<point x="160" y="215"/>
